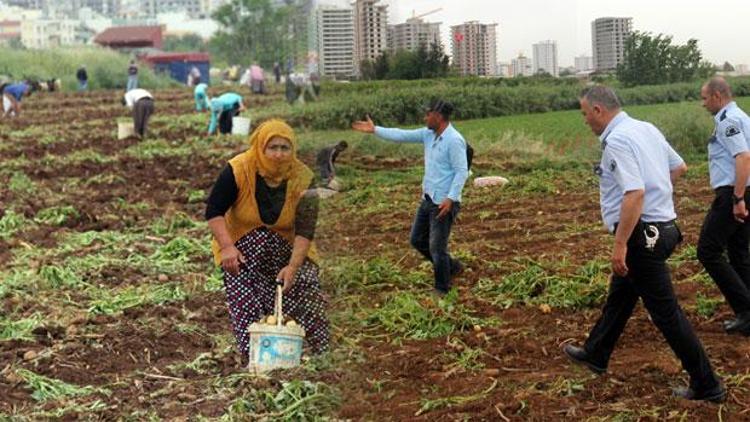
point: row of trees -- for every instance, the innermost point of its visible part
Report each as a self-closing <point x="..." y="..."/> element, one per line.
<point x="421" y="64"/>
<point x="654" y="60"/>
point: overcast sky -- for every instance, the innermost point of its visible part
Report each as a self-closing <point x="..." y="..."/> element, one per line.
<point x="722" y="27"/>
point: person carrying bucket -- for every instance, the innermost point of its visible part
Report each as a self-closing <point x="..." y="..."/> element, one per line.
<point x="223" y="109"/>
<point x="263" y="226"/>
<point x="202" y="102"/>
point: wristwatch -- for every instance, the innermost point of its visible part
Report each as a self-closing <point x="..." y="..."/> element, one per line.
<point x="737" y="199"/>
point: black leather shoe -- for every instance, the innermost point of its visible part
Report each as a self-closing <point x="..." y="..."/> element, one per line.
<point x="715" y="395"/>
<point x="741" y="324"/>
<point x="457" y="271"/>
<point x="579" y="356"/>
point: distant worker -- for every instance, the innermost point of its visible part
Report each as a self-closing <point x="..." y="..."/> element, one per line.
<point x="12" y="95"/>
<point x="142" y="104"/>
<point x="83" y="78"/>
<point x="223" y="109"/>
<point x="277" y="72"/>
<point x="257" y="80"/>
<point x="325" y="162"/>
<point x="194" y="77"/>
<point x="201" y="97"/>
<point x="132" y="76"/>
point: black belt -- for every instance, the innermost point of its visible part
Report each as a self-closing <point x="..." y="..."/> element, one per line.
<point x="658" y="224"/>
<point x="728" y="187"/>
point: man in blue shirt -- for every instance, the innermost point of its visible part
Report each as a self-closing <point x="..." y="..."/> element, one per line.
<point x="636" y="173"/>
<point x="446" y="171"/>
<point x="726" y="227"/>
<point x="223" y="109"/>
<point x="11" y="96"/>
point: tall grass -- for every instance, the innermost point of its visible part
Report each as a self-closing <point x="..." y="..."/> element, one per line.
<point x="107" y="69"/>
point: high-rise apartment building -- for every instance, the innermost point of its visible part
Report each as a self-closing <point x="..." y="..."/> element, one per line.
<point x="474" y="47"/>
<point x="331" y="39"/>
<point x="413" y="33"/>
<point x="521" y="66"/>
<point x="545" y="58"/>
<point x="584" y="63"/>
<point x="608" y="37"/>
<point x="370" y="31"/>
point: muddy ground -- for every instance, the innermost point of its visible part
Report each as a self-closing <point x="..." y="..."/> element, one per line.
<point x="521" y="374"/>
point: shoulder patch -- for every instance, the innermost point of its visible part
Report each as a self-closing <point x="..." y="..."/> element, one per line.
<point x="731" y="130"/>
<point x="723" y="116"/>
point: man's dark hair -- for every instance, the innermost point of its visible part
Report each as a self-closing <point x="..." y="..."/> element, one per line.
<point x="342" y="145"/>
<point x="443" y="107"/>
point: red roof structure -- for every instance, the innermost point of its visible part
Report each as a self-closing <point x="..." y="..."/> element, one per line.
<point x="118" y="37"/>
<point x="10" y="29"/>
<point x="174" y="57"/>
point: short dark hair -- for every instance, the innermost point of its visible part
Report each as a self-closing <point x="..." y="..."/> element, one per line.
<point x="443" y="107"/>
<point x="601" y="95"/>
<point x="342" y="145"/>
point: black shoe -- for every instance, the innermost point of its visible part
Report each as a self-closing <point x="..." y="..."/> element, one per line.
<point x="715" y="395"/>
<point x="459" y="269"/>
<point x="579" y="356"/>
<point x="741" y="324"/>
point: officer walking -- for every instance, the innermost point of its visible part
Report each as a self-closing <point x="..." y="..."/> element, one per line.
<point x="446" y="171"/>
<point x="637" y="170"/>
<point x="726" y="226"/>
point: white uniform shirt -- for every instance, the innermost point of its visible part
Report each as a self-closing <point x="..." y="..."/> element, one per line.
<point x="636" y="156"/>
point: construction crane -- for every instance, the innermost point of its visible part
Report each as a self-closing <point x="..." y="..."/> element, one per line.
<point x="415" y="16"/>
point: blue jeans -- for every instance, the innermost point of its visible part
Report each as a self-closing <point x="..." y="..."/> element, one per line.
<point x="132" y="82"/>
<point x="429" y="236"/>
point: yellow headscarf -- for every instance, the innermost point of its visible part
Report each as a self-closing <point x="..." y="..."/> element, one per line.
<point x="244" y="215"/>
<point x="273" y="172"/>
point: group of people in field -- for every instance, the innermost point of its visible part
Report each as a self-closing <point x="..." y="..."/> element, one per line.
<point x="262" y="212"/>
<point x="263" y="224"/>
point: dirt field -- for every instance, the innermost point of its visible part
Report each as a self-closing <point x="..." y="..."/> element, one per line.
<point x="175" y="357"/>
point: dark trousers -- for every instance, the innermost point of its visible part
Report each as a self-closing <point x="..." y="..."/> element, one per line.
<point x="722" y="232"/>
<point x="648" y="278"/>
<point x="430" y="237"/>
<point x="225" y="120"/>
<point x="142" y="111"/>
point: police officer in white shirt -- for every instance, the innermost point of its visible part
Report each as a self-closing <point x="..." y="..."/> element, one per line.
<point x="636" y="173"/>
<point x="726" y="227"/>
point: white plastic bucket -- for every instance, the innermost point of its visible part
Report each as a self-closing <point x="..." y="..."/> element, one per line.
<point x="6" y="104"/>
<point x="240" y="125"/>
<point x="125" y="130"/>
<point x="274" y="346"/>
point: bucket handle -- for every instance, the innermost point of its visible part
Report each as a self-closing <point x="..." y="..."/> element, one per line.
<point x="277" y="305"/>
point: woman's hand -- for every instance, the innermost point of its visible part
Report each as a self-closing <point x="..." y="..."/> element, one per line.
<point x="287" y="275"/>
<point x="231" y="258"/>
